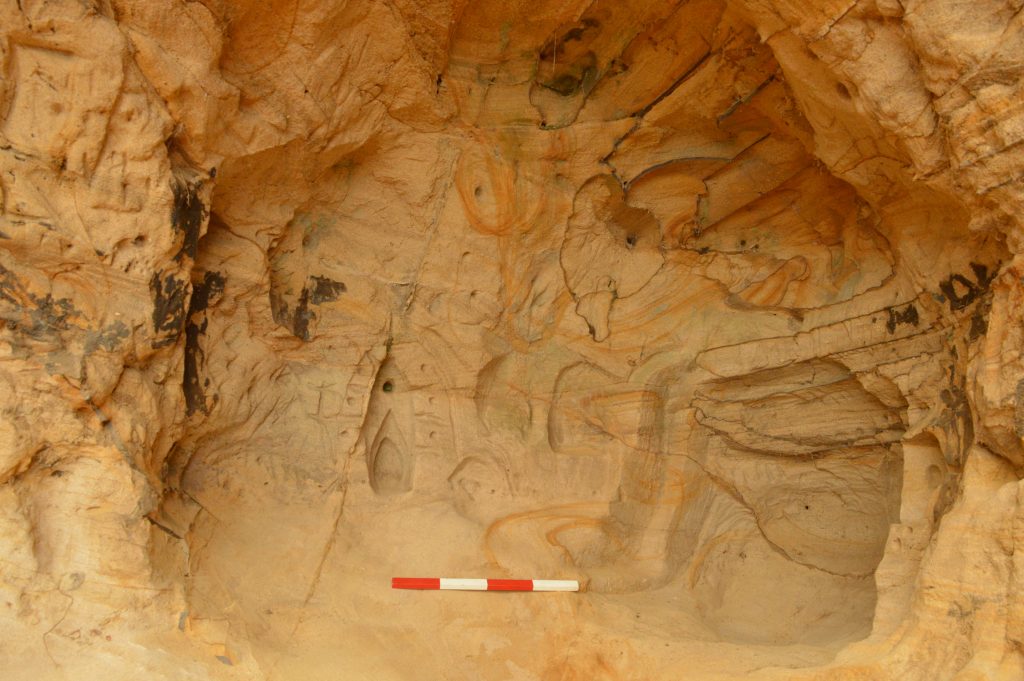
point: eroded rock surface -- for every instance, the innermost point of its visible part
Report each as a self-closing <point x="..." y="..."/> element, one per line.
<point x="714" y="305"/>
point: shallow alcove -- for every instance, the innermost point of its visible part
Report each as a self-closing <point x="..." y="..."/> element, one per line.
<point x="709" y="305"/>
<point x="627" y="328"/>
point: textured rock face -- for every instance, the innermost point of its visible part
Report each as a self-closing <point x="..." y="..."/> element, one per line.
<point x="714" y="305"/>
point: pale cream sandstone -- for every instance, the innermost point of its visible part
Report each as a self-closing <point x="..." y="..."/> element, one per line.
<point x="713" y="305"/>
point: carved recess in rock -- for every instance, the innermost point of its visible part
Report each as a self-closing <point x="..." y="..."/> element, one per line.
<point x="389" y="432"/>
<point x="592" y="408"/>
<point x="802" y="458"/>
<point x="758" y="412"/>
<point x="501" y="396"/>
<point x="611" y="250"/>
<point x="787" y="248"/>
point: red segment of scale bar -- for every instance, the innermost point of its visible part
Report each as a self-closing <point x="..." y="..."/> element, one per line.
<point x="510" y="585"/>
<point x="415" y="583"/>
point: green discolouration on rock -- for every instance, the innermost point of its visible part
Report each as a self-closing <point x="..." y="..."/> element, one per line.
<point x="107" y="339"/>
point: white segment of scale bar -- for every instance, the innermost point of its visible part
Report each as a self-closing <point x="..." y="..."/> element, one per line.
<point x="556" y="585"/>
<point x="458" y="584"/>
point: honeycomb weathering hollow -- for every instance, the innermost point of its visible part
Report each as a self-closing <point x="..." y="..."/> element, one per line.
<point x="712" y="305"/>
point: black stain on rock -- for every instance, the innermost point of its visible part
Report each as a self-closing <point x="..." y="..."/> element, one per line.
<point x="979" y="320"/>
<point x="575" y="34"/>
<point x="961" y="291"/>
<point x="573" y="78"/>
<point x="982" y="275"/>
<point x="203" y="294"/>
<point x="955" y="398"/>
<point x="956" y="418"/>
<point x="565" y="84"/>
<point x="169" y="294"/>
<point x="907" y="316"/>
<point x="616" y="67"/>
<point x="303" y="316"/>
<point x="37" y="316"/>
<point x="279" y="309"/>
<point x="568" y="65"/>
<point x="187" y="215"/>
<point x="324" y="290"/>
<point x="51" y="314"/>
<point x="317" y="291"/>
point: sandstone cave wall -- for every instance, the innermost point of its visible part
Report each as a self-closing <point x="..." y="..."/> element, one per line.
<point x="713" y="305"/>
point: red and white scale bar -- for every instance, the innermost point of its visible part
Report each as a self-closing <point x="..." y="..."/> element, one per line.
<point x="455" y="584"/>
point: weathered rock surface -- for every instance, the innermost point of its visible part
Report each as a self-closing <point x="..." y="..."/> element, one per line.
<point x="715" y="305"/>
